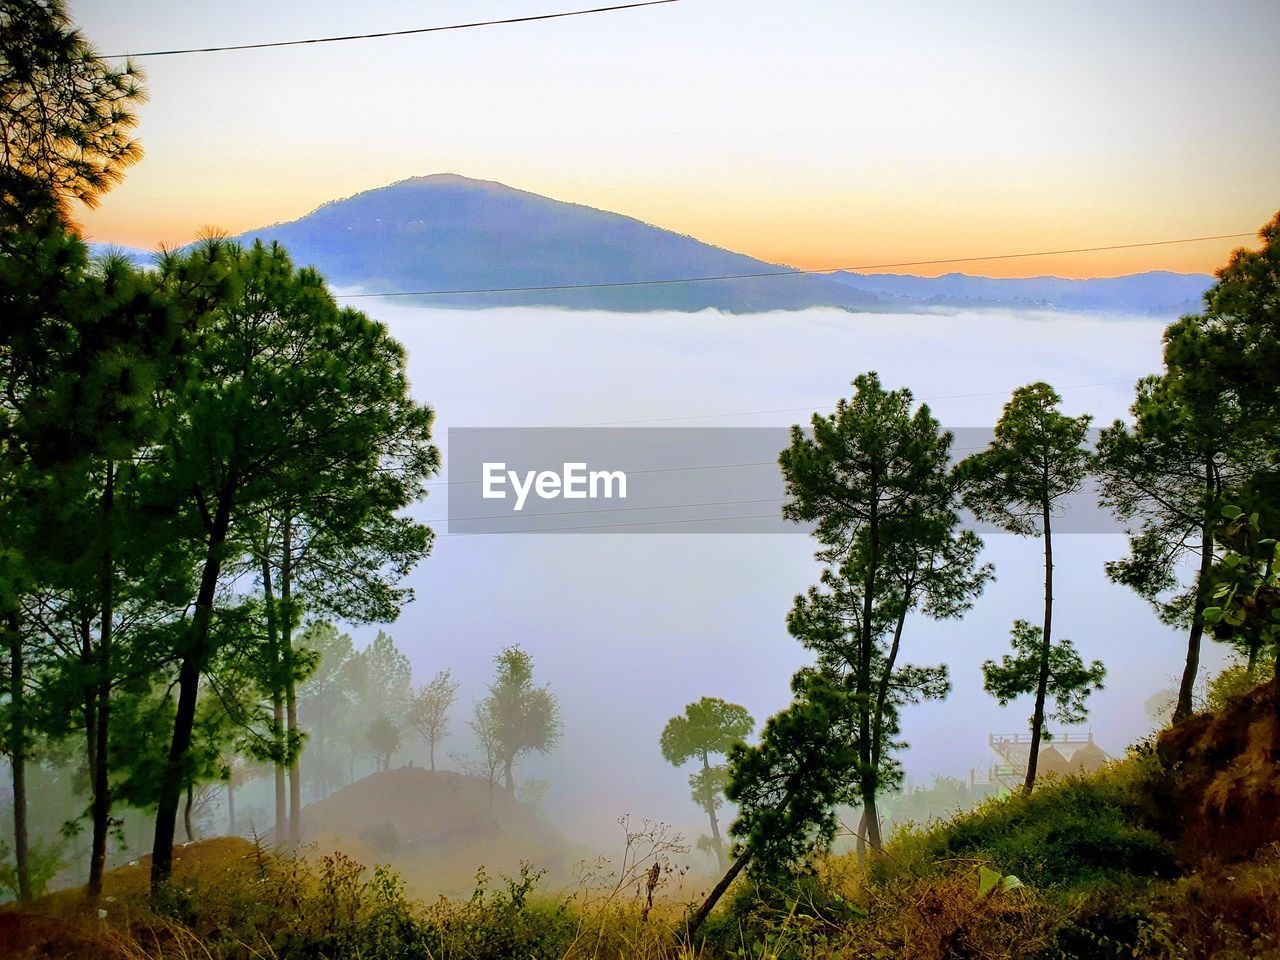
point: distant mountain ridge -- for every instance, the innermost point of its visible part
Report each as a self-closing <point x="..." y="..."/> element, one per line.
<point x="1157" y="292"/>
<point x="448" y="232"/>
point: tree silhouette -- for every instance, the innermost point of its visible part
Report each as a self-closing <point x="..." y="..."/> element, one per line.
<point x="429" y="711"/>
<point x="524" y="718"/>
<point x="709" y="727"/>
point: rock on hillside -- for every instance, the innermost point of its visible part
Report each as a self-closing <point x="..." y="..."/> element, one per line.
<point x="1226" y="780"/>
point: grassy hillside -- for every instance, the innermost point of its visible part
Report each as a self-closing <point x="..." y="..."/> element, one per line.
<point x="1140" y="860"/>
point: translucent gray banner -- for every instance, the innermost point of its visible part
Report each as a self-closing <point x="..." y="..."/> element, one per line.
<point x="653" y="480"/>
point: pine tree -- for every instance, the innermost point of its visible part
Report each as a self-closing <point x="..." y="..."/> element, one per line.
<point x="874" y="478"/>
<point x="1035" y="461"/>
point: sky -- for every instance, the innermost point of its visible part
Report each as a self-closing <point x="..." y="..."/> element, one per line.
<point x="819" y="133"/>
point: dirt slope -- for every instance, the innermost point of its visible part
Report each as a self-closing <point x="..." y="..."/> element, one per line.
<point x="1226" y="800"/>
<point x="436" y="829"/>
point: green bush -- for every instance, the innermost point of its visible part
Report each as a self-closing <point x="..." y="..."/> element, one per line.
<point x="1076" y="831"/>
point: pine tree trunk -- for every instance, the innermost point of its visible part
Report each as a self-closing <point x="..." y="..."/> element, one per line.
<point x="282" y="809"/>
<point x="1204" y="583"/>
<point x="186" y="812"/>
<point x="231" y="808"/>
<point x="18" y="757"/>
<point x="718" y="891"/>
<point x="294" y="739"/>
<point x="278" y="745"/>
<point x="192" y="664"/>
<point x="870" y="828"/>
<point x="508" y="777"/>
<point x="1042" y="681"/>
<point x="101" y="787"/>
<point x="716" y="839"/>
<point x="860" y="843"/>
<point x="322" y="759"/>
<point x="172" y="776"/>
<point x="869" y="776"/>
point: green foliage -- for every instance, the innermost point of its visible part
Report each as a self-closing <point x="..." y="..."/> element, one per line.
<point x="1163" y="478"/>
<point x="1070" y="681"/>
<point x="1235" y="681"/>
<point x="709" y="726"/>
<point x="1069" y="833"/>
<point x="46" y="860"/>
<point x="1035" y="460"/>
<point x="1246" y="596"/>
<point x="68" y="116"/>
<point x="788" y="786"/>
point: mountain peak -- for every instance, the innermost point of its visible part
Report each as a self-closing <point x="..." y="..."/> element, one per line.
<point x="445" y="231"/>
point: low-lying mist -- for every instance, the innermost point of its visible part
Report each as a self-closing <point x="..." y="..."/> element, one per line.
<point x="628" y="629"/>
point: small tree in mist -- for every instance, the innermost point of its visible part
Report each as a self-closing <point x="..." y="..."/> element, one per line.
<point x="429" y="711"/>
<point x="484" y="725"/>
<point x="382" y="682"/>
<point x="384" y="738"/>
<point x="524" y="718"/>
<point x="710" y="727"/>
<point x="1070" y="681"/>
<point x="1035" y="461"/>
<point x="326" y="698"/>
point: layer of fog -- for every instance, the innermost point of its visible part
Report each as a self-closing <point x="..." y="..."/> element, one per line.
<point x="627" y="629"/>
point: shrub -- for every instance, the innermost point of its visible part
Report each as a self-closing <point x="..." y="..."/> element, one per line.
<point x="1067" y="833"/>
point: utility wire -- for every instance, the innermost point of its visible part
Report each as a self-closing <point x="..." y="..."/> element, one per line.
<point x="789" y="272"/>
<point x="391" y="33"/>
<point x="610" y="526"/>
<point x="577" y="513"/>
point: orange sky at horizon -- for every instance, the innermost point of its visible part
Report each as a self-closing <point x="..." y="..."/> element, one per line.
<point x="784" y="237"/>
<point x="823" y="135"/>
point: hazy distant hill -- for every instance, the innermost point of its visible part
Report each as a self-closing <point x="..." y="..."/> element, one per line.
<point x="447" y="232"/>
<point x="1158" y="293"/>
<point x="140" y="257"/>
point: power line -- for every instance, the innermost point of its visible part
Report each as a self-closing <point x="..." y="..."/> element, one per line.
<point x="610" y="526"/>
<point x="789" y="272"/>
<point x="392" y="33"/>
<point x="578" y="513"/>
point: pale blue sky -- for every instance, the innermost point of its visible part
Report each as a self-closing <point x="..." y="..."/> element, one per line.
<point x="814" y="132"/>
